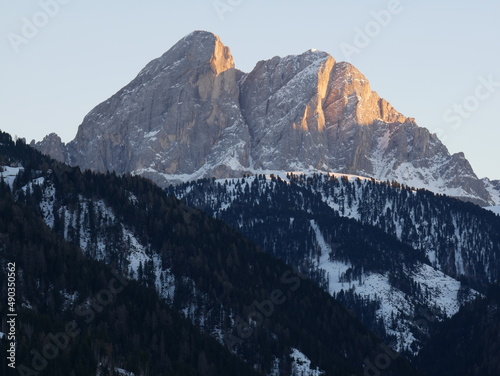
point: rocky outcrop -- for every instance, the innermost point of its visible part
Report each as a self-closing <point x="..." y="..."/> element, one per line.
<point x="171" y="119"/>
<point x="191" y="114"/>
<point x="493" y="187"/>
<point x="52" y="145"/>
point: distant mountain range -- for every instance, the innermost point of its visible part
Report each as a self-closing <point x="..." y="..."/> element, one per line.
<point x="191" y="114"/>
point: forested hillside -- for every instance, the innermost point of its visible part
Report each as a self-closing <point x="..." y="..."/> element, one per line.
<point x="469" y="343"/>
<point x="258" y="307"/>
<point x="76" y="316"/>
<point x="386" y="250"/>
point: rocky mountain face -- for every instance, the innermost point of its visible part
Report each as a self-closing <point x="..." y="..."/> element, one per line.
<point x="52" y="145"/>
<point x="493" y="186"/>
<point x="192" y="114"/>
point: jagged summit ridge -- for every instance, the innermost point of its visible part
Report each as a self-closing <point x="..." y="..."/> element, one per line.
<point x="168" y="118"/>
<point x="191" y="114"/>
<point x="200" y="48"/>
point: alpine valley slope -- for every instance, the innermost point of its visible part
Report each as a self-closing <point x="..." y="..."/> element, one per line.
<point x="65" y="229"/>
<point x="386" y="251"/>
<point x="191" y="114"/>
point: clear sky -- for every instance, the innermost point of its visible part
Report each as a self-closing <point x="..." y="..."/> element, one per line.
<point x="438" y="62"/>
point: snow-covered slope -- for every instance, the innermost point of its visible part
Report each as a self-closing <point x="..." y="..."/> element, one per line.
<point x="8" y="174"/>
<point x="398" y="310"/>
<point x="452" y="235"/>
<point x="302" y="365"/>
<point x="294" y="217"/>
<point x="493" y="187"/>
<point x="79" y="224"/>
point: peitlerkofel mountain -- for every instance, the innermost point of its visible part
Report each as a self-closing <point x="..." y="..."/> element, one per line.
<point x="191" y="114"/>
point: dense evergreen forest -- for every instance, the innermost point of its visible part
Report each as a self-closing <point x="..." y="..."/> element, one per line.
<point x="373" y="228"/>
<point x="125" y="326"/>
<point x="308" y="221"/>
<point x="222" y="282"/>
<point x="469" y="343"/>
<point x="459" y="238"/>
<point x="71" y="233"/>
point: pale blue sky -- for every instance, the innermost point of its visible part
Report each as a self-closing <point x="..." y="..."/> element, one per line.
<point x="436" y="62"/>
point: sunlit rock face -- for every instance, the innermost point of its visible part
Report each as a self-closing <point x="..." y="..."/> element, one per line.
<point x="191" y="114"/>
<point x="171" y="118"/>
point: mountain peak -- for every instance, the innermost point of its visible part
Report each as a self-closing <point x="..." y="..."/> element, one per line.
<point x="52" y="145"/>
<point x="203" y="46"/>
<point x="200" y="51"/>
<point x="190" y="114"/>
<point x="200" y="34"/>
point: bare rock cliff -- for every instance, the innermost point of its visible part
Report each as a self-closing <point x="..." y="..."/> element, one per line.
<point x="191" y="114"/>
